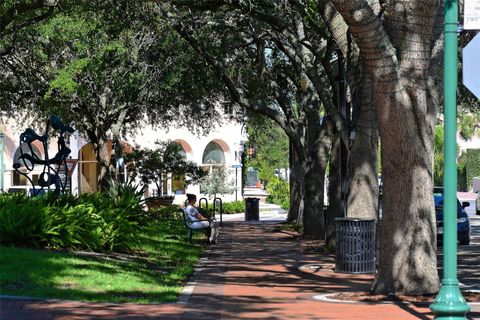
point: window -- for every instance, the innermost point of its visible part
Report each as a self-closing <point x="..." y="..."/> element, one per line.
<point x="178" y="185"/>
<point x="24" y="149"/>
<point x="18" y="179"/>
<point x="213" y="154"/>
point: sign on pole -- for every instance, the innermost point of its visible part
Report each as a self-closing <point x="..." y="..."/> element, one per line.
<point x="471" y="66"/>
<point x="471" y="15"/>
<point x="71" y="164"/>
<point x="236" y="165"/>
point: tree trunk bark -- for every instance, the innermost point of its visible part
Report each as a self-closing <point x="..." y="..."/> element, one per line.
<point x="362" y="198"/>
<point x="317" y="144"/>
<point x="396" y="49"/>
<point x="295" y="187"/>
<point x="103" y="156"/>
<point x="334" y="194"/>
<point x="313" y="218"/>
<point x="407" y="237"/>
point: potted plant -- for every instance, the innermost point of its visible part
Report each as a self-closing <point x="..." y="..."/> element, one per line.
<point x="154" y="202"/>
<point x="155" y="166"/>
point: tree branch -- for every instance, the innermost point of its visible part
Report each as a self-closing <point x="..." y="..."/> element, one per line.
<point x="20" y="8"/>
<point x="236" y="93"/>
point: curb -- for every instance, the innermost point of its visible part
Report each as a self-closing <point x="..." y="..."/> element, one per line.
<point x="189" y="287"/>
<point x="326" y="298"/>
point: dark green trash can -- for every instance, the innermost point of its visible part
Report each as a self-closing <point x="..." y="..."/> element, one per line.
<point x="355" y="252"/>
<point x="252" y="210"/>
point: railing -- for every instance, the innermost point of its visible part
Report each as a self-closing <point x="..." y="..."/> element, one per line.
<point x="200" y="203"/>
<point x="221" y="208"/>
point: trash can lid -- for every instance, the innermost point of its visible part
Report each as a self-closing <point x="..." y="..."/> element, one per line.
<point x="353" y="219"/>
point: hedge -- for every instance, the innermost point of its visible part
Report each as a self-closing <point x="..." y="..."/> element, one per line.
<point x="468" y="167"/>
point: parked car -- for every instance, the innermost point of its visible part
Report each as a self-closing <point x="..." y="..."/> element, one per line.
<point x="463" y="222"/>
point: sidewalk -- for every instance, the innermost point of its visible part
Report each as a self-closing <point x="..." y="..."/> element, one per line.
<point x="253" y="273"/>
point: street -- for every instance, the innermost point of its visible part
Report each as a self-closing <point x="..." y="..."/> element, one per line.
<point x="468" y="258"/>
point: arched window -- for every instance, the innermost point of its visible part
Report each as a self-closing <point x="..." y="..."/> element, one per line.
<point x="213" y="158"/>
<point x="213" y="154"/>
<point x="18" y="179"/>
<point x="25" y="150"/>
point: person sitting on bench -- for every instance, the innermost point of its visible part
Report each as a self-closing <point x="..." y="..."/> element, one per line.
<point x="198" y="221"/>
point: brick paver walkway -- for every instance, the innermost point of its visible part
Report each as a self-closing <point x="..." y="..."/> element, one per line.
<point x="253" y="273"/>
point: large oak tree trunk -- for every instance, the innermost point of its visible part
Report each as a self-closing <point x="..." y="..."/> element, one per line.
<point x="362" y="198"/>
<point x="334" y="194"/>
<point x="396" y="49"/>
<point x="407" y="238"/>
<point x="296" y="175"/>
<point x="318" y="141"/>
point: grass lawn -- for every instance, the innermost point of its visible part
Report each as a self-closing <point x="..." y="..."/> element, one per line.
<point x="154" y="274"/>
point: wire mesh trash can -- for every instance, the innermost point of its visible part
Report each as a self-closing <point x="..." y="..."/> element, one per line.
<point x="252" y="211"/>
<point x="355" y="252"/>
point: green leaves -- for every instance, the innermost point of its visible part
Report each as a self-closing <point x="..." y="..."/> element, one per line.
<point x="271" y="147"/>
<point x="65" y="82"/>
<point x="98" y="222"/>
<point x="279" y="192"/>
<point x="72" y="227"/>
<point x="154" y="165"/>
<point x="20" y="219"/>
<point x="217" y="182"/>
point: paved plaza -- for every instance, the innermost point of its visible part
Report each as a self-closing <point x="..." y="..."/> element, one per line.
<point x="253" y="272"/>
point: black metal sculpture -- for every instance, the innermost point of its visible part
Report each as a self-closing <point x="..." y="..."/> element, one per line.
<point x="51" y="166"/>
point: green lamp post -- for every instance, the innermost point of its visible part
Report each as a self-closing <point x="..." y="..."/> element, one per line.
<point x="450" y="304"/>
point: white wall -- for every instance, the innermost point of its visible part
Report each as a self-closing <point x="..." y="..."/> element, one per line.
<point x="229" y="136"/>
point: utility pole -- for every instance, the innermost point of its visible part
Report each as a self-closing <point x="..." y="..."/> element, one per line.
<point x="450" y="304"/>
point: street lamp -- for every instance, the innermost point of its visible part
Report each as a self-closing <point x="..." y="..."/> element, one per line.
<point x="450" y="304"/>
<point x="3" y="126"/>
<point x="237" y="164"/>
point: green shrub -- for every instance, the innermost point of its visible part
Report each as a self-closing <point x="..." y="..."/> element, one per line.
<point x="279" y="192"/>
<point x="234" y="207"/>
<point x="165" y="213"/>
<point x="101" y="221"/>
<point x="119" y="230"/>
<point x="20" y="219"/>
<point x="228" y="208"/>
<point x="468" y="167"/>
<point x="72" y="227"/>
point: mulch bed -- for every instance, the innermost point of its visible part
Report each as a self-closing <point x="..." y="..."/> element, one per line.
<point x="373" y="297"/>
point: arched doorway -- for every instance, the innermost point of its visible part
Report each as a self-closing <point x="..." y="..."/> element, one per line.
<point x="88" y="170"/>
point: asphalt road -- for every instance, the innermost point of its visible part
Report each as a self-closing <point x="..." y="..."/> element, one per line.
<point x="468" y="258"/>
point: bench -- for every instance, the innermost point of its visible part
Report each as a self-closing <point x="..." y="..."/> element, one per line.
<point x="188" y="224"/>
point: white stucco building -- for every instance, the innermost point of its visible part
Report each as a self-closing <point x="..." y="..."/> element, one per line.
<point x="220" y="147"/>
